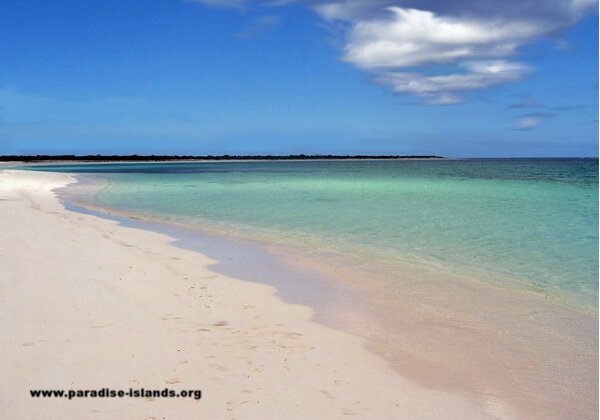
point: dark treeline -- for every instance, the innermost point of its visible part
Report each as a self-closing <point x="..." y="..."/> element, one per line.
<point x="155" y="158"/>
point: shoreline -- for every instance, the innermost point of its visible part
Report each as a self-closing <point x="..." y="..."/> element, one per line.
<point x="87" y="304"/>
<point x="241" y="258"/>
<point x="467" y="313"/>
<point x="569" y="300"/>
<point x="423" y="370"/>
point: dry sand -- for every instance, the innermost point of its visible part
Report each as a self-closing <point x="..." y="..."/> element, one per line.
<point x="86" y="304"/>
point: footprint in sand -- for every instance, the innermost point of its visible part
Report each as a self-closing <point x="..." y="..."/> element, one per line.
<point x="327" y="394"/>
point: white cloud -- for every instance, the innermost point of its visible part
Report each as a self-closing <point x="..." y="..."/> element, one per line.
<point x="398" y="41"/>
<point x="410" y="38"/>
<point x="442" y="89"/>
<point x="351" y="10"/>
<point x="526" y="123"/>
<point x="473" y="37"/>
<point x="444" y="98"/>
<point x="550" y="12"/>
<point x="582" y="6"/>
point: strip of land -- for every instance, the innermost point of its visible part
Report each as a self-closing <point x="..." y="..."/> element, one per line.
<point x="171" y="158"/>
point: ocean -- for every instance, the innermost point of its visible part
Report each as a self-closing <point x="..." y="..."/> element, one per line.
<point x="530" y="223"/>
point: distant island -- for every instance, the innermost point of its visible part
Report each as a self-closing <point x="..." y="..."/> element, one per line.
<point x="156" y="158"/>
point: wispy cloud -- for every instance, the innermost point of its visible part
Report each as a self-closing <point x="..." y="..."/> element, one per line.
<point x="537" y="112"/>
<point x="539" y="115"/>
<point x="531" y="120"/>
<point x="569" y="107"/>
<point x="529" y="103"/>
<point x="526" y="123"/>
<point x="258" y="26"/>
<point x="442" y="89"/>
<point x="232" y="4"/>
<point x="33" y="117"/>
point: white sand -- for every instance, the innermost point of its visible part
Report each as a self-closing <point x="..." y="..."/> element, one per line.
<point x="86" y="303"/>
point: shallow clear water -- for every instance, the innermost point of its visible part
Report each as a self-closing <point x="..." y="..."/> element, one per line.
<point x="534" y="221"/>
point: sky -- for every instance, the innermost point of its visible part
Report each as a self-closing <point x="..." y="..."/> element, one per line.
<point x="461" y="78"/>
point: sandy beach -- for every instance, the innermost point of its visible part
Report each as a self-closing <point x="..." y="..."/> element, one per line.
<point x="299" y="210"/>
<point x="88" y="304"/>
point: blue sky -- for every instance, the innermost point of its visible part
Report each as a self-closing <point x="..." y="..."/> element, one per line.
<point x="462" y="78"/>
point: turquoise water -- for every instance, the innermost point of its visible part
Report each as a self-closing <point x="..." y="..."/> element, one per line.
<point x="531" y="220"/>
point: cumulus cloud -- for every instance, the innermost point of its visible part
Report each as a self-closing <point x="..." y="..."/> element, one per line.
<point x="410" y="38"/>
<point x="400" y="42"/>
<point x="473" y="38"/>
